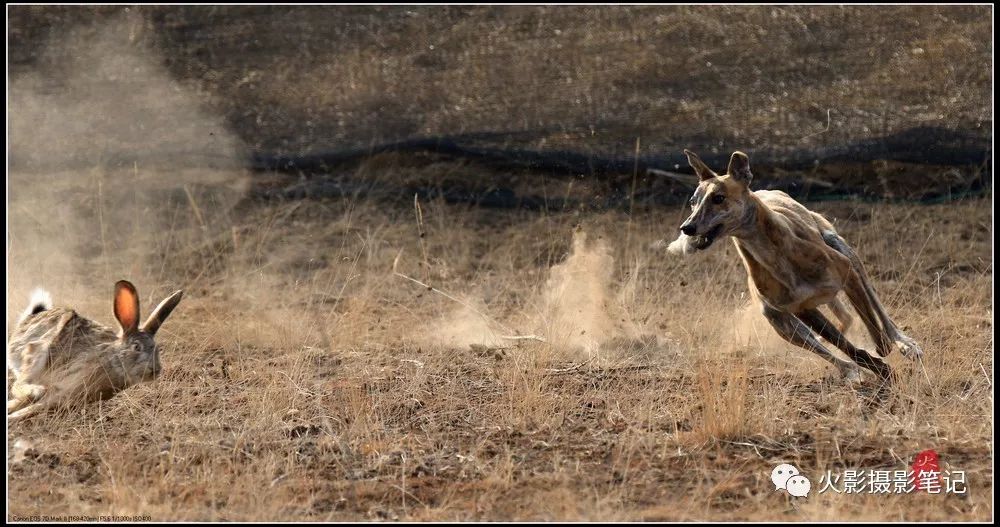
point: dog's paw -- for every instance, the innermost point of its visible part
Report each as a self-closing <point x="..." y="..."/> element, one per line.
<point x="851" y="375"/>
<point x="908" y="347"/>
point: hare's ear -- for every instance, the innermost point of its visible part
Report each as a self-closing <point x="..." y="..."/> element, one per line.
<point x="161" y="312"/>
<point x="127" y="307"/>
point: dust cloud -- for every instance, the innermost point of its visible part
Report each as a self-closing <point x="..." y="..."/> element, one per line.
<point x="748" y="330"/>
<point x="581" y="313"/>
<point x="579" y="304"/>
<point x="465" y="326"/>
<point x="115" y="168"/>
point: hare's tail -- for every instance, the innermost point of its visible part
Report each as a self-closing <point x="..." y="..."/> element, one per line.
<point x="40" y="301"/>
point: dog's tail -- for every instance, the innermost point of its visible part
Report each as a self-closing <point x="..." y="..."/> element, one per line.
<point x="40" y="301"/>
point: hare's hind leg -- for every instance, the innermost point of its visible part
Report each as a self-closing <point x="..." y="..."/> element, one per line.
<point x="25" y="412"/>
<point x="34" y="360"/>
<point x="27" y="392"/>
<point x="24" y="395"/>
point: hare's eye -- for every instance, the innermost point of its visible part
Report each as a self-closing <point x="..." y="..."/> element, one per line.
<point x="718" y="198"/>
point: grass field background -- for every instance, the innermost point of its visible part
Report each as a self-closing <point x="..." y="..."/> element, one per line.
<point x="309" y="372"/>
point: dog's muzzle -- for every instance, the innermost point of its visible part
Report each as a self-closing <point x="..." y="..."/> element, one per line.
<point x="703" y="241"/>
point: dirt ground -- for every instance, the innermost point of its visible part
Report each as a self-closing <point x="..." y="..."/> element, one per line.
<point x="349" y="355"/>
<point x="306" y="378"/>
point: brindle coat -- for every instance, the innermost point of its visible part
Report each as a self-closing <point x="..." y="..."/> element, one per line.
<point x="795" y="262"/>
<point x="60" y="358"/>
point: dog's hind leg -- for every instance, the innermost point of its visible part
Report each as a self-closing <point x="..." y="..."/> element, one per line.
<point x="793" y="330"/>
<point x="856" y="294"/>
<point x="840" y="311"/>
<point x="864" y="299"/>
<point x="824" y="328"/>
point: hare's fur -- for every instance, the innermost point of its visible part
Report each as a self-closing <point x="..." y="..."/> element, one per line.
<point x="60" y="358"/>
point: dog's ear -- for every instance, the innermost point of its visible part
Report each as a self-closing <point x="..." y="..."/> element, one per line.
<point x="699" y="166"/>
<point x="739" y="168"/>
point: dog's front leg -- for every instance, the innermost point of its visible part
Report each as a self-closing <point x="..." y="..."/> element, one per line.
<point x="794" y="331"/>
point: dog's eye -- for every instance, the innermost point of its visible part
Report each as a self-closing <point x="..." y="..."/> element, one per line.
<point x="693" y="202"/>
<point x="718" y="198"/>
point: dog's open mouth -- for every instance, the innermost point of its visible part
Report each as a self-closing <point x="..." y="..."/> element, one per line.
<point x="702" y="241"/>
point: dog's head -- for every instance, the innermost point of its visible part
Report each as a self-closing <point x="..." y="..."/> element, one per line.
<point x="720" y="203"/>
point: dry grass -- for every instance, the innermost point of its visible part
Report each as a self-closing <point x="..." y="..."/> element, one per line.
<point x="304" y="380"/>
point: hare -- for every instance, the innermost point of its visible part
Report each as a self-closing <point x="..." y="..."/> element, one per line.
<point x="60" y="358"/>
